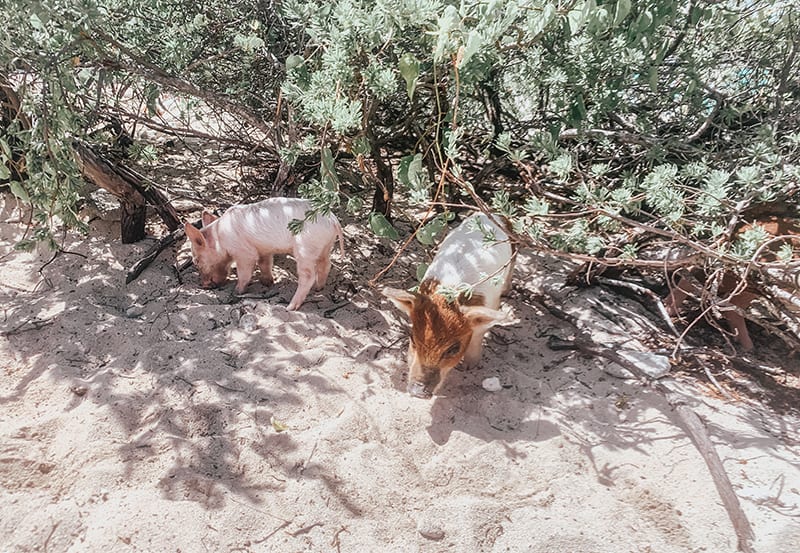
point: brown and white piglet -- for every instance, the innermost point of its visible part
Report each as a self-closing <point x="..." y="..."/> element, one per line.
<point x="476" y="254"/>
<point x="249" y="235"/>
<point x="782" y="231"/>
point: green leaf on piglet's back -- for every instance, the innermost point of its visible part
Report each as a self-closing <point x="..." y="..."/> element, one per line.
<point x="422" y="268"/>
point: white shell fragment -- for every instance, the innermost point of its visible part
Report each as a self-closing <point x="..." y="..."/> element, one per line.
<point x="248" y="322"/>
<point x="653" y="365"/>
<point x="492" y="384"/>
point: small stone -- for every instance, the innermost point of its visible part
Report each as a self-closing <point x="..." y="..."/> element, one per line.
<point x="134" y="311"/>
<point x="431" y="532"/>
<point x="210" y="324"/>
<point x="248" y="322"/>
<point x="492" y="384"/>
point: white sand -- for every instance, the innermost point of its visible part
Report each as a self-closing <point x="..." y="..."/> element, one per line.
<point x="137" y="418"/>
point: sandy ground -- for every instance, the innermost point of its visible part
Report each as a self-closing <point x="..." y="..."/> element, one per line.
<point x="161" y="417"/>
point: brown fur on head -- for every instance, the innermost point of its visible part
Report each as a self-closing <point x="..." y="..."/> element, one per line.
<point x="442" y="334"/>
<point x="213" y="266"/>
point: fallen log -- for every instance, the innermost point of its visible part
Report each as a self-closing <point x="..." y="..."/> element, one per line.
<point x="129" y="188"/>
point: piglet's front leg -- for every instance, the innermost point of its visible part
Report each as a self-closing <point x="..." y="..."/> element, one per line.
<point x="472" y="356"/>
<point x="244" y="272"/>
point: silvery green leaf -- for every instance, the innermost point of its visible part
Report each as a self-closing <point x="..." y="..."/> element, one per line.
<point x="622" y="11"/>
<point x="409" y="70"/>
<point x="421" y="269"/>
<point x="381" y="227"/>
<point x="428" y="233"/>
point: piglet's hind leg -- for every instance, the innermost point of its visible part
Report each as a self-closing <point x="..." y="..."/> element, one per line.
<point x="305" y="280"/>
<point x="322" y="269"/>
<point x="265" y="265"/>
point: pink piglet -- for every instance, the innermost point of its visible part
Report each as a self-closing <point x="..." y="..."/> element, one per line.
<point x="249" y="235"/>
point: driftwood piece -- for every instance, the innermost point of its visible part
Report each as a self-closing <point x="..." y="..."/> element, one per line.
<point x="150" y="255"/>
<point x="689" y="421"/>
<point x="646" y="292"/>
<point x="129" y="188"/>
<point x="163" y="243"/>
<point x="99" y="171"/>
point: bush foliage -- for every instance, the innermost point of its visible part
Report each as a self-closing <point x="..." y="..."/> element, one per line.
<point x="677" y="117"/>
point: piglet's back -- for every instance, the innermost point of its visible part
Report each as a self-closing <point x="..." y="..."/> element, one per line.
<point x="466" y="257"/>
<point x="263" y="225"/>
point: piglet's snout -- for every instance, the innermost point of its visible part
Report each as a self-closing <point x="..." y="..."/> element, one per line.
<point x="418" y="389"/>
<point x="209" y="283"/>
<point x="424" y="385"/>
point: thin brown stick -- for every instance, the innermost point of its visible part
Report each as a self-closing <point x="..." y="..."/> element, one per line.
<point x="439" y="190"/>
<point x="163" y="243"/>
<point x="716" y="383"/>
<point x="280" y="527"/>
<point x="35" y="323"/>
<point x="335" y="541"/>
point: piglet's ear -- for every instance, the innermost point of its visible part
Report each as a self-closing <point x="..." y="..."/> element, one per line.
<point x="483" y="317"/>
<point x="194" y="234"/>
<point x="208" y="218"/>
<point x="402" y="299"/>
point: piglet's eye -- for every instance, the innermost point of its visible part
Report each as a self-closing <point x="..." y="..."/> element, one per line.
<point x="453" y="350"/>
